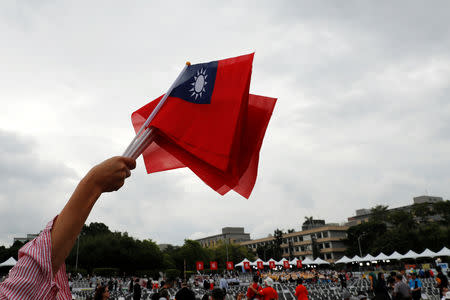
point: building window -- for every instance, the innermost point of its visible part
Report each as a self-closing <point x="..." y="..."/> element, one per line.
<point x="296" y="249"/>
<point x="327" y="245"/>
<point x="295" y="239"/>
<point x="320" y="246"/>
<point x="284" y="241"/>
<point x="325" y="234"/>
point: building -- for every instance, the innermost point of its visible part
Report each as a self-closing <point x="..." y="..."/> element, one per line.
<point x="363" y="215"/>
<point x="30" y="236"/>
<point x="229" y="234"/>
<point x="329" y="238"/>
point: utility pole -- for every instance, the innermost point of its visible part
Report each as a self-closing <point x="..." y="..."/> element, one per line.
<point x="78" y="247"/>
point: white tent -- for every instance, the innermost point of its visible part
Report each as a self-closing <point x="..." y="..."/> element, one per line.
<point x="294" y="261"/>
<point x="427" y="253"/>
<point x="443" y="252"/>
<point x="256" y="261"/>
<point x="307" y="261"/>
<point x="319" y="261"/>
<point x="368" y="257"/>
<point x="9" y="262"/>
<point x="381" y="256"/>
<point x="410" y="254"/>
<point x="280" y="263"/>
<point x="395" y="256"/>
<point x="242" y="263"/>
<point x="271" y="260"/>
<point x="356" y="258"/>
<point x="343" y="260"/>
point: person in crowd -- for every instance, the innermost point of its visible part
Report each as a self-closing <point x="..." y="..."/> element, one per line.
<point x="401" y="289"/>
<point x="217" y="294"/>
<point x="381" y="289"/>
<point x="131" y="286"/>
<point x="268" y="292"/>
<point x="223" y="283"/>
<point x="372" y="281"/>
<point x="442" y="281"/>
<point x="300" y="291"/>
<point x="101" y="293"/>
<point x="343" y="280"/>
<point x="416" y="287"/>
<point x="40" y="272"/>
<point x="137" y="291"/>
<point x="185" y="293"/>
<point x="206" y="285"/>
<point x="164" y="292"/>
<point x="252" y="291"/>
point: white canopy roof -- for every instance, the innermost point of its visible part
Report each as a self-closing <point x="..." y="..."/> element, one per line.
<point x="256" y="261"/>
<point x="9" y="262"/>
<point x="368" y="257"/>
<point x="294" y="261"/>
<point x="356" y="258"/>
<point x="343" y="260"/>
<point x="307" y="261"/>
<point x="242" y="263"/>
<point x="410" y="254"/>
<point x="395" y="255"/>
<point x="381" y="256"/>
<point x="427" y="253"/>
<point x="319" y="261"/>
<point x="280" y="263"/>
<point x="443" y="252"/>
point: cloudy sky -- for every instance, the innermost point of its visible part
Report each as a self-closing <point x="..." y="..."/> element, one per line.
<point x="363" y="112"/>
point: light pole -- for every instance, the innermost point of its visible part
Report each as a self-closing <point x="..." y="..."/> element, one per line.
<point x="359" y="244"/>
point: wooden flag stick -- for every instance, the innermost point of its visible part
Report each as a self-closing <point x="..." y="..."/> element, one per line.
<point x="133" y="145"/>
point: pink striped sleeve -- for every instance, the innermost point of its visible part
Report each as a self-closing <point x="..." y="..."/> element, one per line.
<point x="32" y="276"/>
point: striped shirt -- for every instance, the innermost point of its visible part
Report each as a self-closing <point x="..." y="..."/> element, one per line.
<point x="31" y="277"/>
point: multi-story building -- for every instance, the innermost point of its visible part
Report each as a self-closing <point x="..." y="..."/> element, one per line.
<point x="229" y="235"/>
<point x="29" y="237"/>
<point x="329" y="239"/>
<point x="363" y="215"/>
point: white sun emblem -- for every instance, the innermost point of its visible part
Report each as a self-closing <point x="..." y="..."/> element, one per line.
<point x="198" y="86"/>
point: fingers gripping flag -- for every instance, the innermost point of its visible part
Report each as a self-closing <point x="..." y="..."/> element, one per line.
<point x="210" y="124"/>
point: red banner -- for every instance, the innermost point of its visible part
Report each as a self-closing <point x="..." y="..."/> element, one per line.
<point x="199" y="265"/>
<point x="246" y="265"/>
<point x="286" y="264"/>
<point x="299" y="264"/>
<point x="213" y="265"/>
<point x="230" y="265"/>
<point x="272" y="264"/>
<point x="260" y="265"/>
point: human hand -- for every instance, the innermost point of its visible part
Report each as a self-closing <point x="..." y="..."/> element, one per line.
<point x="110" y="175"/>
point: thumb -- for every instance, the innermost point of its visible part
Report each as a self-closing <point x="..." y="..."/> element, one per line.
<point x="130" y="162"/>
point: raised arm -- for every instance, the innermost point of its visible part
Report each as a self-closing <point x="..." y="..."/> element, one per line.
<point x="106" y="177"/>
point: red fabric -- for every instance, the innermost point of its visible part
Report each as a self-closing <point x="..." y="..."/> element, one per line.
<point x="251" y="293"/>
<point x="199" y="265"/>
<point x="246" y="265"/>
<point x="301" y="292"/>
<point x="260" y="265"/>
<point x="32" y="276"/>
<point x="230" y="265"/>
<point x="286" y="264"/>
<point x="213" y="265"/>
<point x="268" y="293"/>
<point x="299" y="264"/>
<point x="272" y="264"/>
<point x="220" y="141"/>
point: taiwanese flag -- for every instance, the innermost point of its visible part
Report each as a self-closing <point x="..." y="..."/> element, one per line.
<point x="210" y="124"/>
<point x="299" y="264"/>
<point x="199" y="265"/>
<point x="246" y="265"/>
<point x="272" y="264"/>
<point x="260" y="265"/>
<point x="286" y="264"/>
<point x="213" y="265"/>
<point x="230" y="265"/>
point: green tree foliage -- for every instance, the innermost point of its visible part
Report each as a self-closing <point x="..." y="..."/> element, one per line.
<point x="424" y="226"/>
<point x="278" y="240"/>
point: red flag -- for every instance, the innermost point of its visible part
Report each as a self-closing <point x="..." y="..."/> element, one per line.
<point x="213" y="265"/>
<point x="286" y="264"/>
<point x="217" y="133"/>
<point x="272" y="264"/>
<point x="299" y="264"/>
<point x="246" y="265"/>
<point x="260" y="265"/>
<point x="199" y="265"/>
<point x="230" y="265"/>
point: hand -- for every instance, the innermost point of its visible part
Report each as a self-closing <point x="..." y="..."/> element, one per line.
<point x="110" y="175"/>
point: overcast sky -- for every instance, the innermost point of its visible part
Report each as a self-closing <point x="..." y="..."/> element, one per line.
<point x="363" y="112"/>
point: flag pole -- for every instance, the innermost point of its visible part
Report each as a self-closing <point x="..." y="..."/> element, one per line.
<point x="132" y="145"/>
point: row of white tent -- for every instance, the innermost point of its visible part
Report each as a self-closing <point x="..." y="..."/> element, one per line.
<point x="307" y="261"/>
<point x="9" y="262"/>
<point x="395" y="256"/>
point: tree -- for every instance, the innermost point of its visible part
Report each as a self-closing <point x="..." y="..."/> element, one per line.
<point x="379" y="213"/>
<point x="278" y="240"/>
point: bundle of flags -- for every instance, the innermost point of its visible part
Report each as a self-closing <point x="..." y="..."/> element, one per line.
<point x="208" y="122"/>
